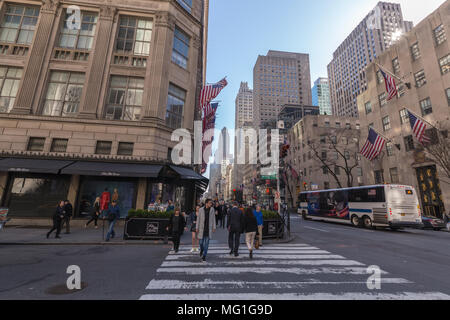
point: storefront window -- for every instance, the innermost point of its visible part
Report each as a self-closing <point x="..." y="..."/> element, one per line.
<point x="36" y="196"/>
<point x="163" y="192"/>
<point x="123" y="191"/>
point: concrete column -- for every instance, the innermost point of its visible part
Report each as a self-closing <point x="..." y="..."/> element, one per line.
<point x="73" y="189"/>
<point x="157" y="75"/>
<point x="3" y="181"/>
<point x="37" y="54"/>
<point x="97" y="64"/>
<point x="141" y="193"/>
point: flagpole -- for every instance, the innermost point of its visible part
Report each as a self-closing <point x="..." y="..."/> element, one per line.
<point x="421" y="118"/>
<point x="397" y="77"/>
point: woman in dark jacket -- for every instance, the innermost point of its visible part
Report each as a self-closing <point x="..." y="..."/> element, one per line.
<point x="95" y="213"/>
<point x="57" y="219"/>
<point x="175" y="228"/>
<point x="250" y="228"/>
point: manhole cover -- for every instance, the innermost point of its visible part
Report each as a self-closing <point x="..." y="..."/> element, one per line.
<point x="62" y="289"/>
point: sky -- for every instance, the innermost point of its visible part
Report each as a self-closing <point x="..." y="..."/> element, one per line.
<point x="240" y="30"/>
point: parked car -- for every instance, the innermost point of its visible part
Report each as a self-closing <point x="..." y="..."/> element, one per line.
<point x="434" y="223"/>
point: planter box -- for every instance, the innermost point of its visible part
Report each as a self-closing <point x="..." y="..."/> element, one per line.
<point x="145" y="229"/>
<point x="273" y="228"/>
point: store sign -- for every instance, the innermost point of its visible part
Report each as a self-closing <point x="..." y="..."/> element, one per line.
<point x="110" y="174"/>
<point x="272" y="228"/>
<point x="19" y="169"/>
<point x="152" y="228"/>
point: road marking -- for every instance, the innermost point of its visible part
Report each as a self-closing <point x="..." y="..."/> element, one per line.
<point x="211" y="284"/>
<point x="245" y="251"/>
<point x="264" y="262"/>
<point x="239" y="270"/>
<point x="256" y="255"/>
<point x="244" y="247"/>
<point x="301" y="296"/>
<point x="316" y="229"/>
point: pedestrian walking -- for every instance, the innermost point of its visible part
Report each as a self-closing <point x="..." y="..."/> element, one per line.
<point x="192" y="225"/>
<point x="58" y="216"/>
<point x="175" y="229"/>
<point x="260" y="221"/>
<point x="170" y="206"/>
<point x="67" y="215"/>
<point x="206" y="226"/>
<point x="250" y="227"/>
<point x="95" y="213"/>
<point x="235" y="225"/>
<point x="112" y="214"/>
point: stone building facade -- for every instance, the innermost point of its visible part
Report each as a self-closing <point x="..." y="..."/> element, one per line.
<point x="99" y="84"/>
<point x="421" y="58"/>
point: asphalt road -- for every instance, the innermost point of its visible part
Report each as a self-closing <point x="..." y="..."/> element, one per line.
<point x="326" y="261"/>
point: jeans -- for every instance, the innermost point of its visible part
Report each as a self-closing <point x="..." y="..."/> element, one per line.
<point x="176" y="241"/>
<point x="111" y="232"/>
<point x="66" y="222"/>
<point x="204" y="244"/>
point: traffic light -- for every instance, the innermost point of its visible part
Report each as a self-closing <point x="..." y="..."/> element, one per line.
<point x="284" y="150"/>
<point x="305" y="185"/>
<point x="267" y="190"/>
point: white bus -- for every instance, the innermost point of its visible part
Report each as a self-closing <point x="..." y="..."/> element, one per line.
<point x="394" y="206"/>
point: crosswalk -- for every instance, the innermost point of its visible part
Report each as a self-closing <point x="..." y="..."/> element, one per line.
<point x="277" y="272"/>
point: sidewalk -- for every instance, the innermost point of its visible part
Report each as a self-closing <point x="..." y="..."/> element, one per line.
<point x="16" y="235"/>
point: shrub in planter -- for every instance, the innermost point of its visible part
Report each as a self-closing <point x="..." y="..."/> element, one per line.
<point x="270" y="215"/>
<point x="140" y="213"/>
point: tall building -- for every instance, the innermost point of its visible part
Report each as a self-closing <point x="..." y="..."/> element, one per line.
<point x="422" y="58"/>
<point x="280" y="78"/>
<point x="244" y="105"/>
<point x="373" y="35"/>
<point x="90" y="106"/>
<point x="321" y="96"/>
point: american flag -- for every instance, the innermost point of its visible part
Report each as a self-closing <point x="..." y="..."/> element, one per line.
<point x="418" y="127"/>
<point x="374" y="145"/>
<point x="209" y="122"/>
<point x="391" y="88"/>
<point x="210" y="91"/>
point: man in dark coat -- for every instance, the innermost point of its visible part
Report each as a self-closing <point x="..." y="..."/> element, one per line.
<point x="57" y="218"/>
<point x="175" y="228"/>
<point x="67" y="215"/>
<point x="235" y="226"/>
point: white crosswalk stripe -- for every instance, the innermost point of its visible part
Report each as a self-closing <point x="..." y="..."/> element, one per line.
<point x="277" y="272"/>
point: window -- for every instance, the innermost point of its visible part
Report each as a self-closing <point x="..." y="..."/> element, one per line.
<point x="125" y="149"/>
<point x="380" y="78"/>
<point x="180" y="52"/>
<point x="337" y="170"/>
<point x="18" y="24"/>
<point x="186" y="4"/>
<point x="59" y="145"/>
<point x="396" y="66"/>
<point x="125" y="98"/>
<point x="389" y="149"/>
<point x="447" y="92"/>
<point x="359" y="172"/>
<point x="323" y="139"/>
<point x="420" y="78"/>
<point x="425" y="106"/>
<point x="63" y="94"/>
<point x="36" y="144"/>
<point x="324" y="170"/>
<point x="347" y="155"/>
<point x="378" y="174"/>
<point x="415" y="52"/>
<point x="400" y="90"/>
<point x="326" y="185"/>
<point x="134" y="36"/>
<point x="175" y="106"/>
<point x="386" y="123"/>
<point x="444" y="64"/>
<point x="81" y="38"/>
<point x="409" y="143"/>
<point x="169" y="154"/>
<point x="103" y="147"/>
<point x="404" y="116"/>
<point x="9" y="84"/>
<point x="382" y="99"/>
<point x="324" y="155"/>
<point x="439" y="35"/>
<point x="393" y="172"/>
<point x="358" y="126"/>
<point x="348" y="126"/>
<point x="327" y="124"/>
<point x="368" y="106"/>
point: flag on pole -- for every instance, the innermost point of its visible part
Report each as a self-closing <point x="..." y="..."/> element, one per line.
<point x="391" y="88"/>
<point x="209" y="122"/>
<point x="418" y="127"/>
<point x="374" y="145"/>
<point x="211" y="91"/>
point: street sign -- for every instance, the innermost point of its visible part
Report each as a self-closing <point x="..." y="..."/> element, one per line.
<point x="274" y="177"/>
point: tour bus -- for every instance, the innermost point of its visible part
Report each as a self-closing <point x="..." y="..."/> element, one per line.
<point x="394" y="206"/>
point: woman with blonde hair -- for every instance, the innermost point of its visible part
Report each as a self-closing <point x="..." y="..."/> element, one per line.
<point x="95" y="213"/>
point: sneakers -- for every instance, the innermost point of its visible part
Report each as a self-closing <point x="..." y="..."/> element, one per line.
<point x="201" y="253"/>
<point x="231" y="252"/>
<point x="195" y="249"/>
<point x="236" y="254"/>
<point x="48" y="235"/>
<point x="192" y="250"/>
<point x="171" y="251"/>
<point x="57" y="237"/>
<point x="203" y="259"/>
<point x="251" y="254"/>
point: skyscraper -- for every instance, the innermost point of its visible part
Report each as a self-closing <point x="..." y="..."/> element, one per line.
<point x="346" y="72"/>
<point x="244" y="105"/>
<point x="321" y="96"/>
<point x="280" y="78"/>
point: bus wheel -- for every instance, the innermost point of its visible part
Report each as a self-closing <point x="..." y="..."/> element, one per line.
<point x="304" y="215"/>
<point x="367" y="222"/>
<point x="355" y="221"/>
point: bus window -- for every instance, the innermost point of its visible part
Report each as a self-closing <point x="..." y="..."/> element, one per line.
<point x="375" y="195"/>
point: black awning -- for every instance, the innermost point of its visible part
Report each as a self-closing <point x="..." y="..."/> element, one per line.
<point x="187" y="174"/>
<point x="32" y="165"/>
<point x="108" y="169"/>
